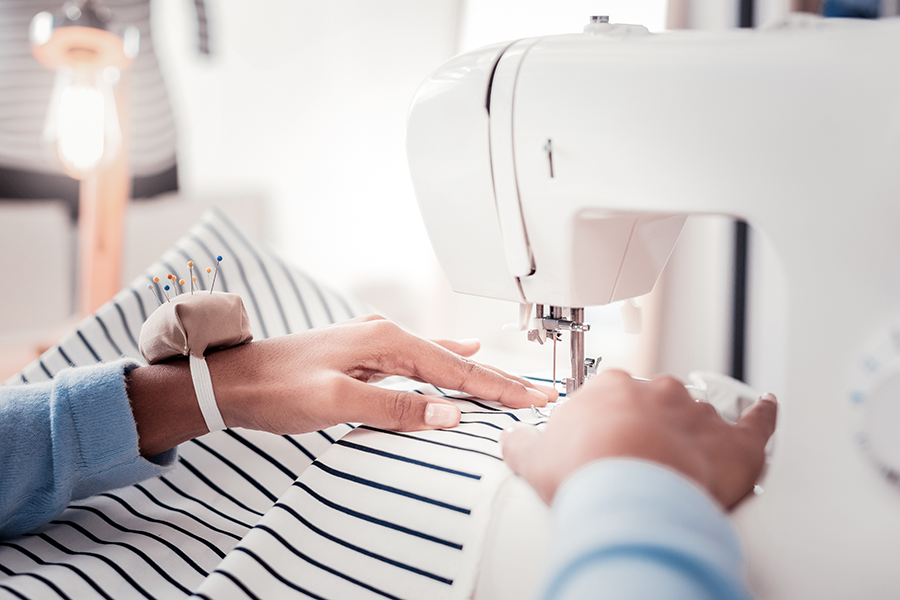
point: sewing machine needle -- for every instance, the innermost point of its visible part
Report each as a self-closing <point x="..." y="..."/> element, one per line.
<point x="554" y="360"/>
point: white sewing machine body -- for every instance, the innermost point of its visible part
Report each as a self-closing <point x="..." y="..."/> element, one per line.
<point x="796" y="130"/>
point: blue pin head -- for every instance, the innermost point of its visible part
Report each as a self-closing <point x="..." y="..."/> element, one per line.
<point x="166" y="287"/>
<point x="219" y="258"/>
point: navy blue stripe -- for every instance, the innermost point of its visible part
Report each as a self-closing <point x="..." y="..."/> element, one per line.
<point x="461" y="422"/>
<point x="483" y="412"/>
<point x="315" y="286"/>
<point x="326" y="436"/>
<point x="243" y="274"/>
<point x="88" y="346"/>
<point x="343" y="302"/>
<point x="262" y="265"/>
<point x="65" y="356"/>
<point x="141" y="308"/>
<point x="244" y="475"/>
<point x="181" y="493"/>
<point x="436" y="443"/>
<point x="236" y="582"/>
<point x="40" y="578"/>
<point x="262" y="453"/>
<point x="331" y="570"/>
<point x="125" y="326"/>
<point x="162" y="573"/>
<point x="216" y="488"/>
<point x="17" y="594"/>
<point x="212" y="257"/>
<point x="355" y="548"/>
<point x="406" y="459"/>
<point x="387" y="488"/>
<point x="278" y="576"/>
<point x="476" y="403"/>
<point x="108" y="336"/>
<point x="152" y="536"/>
<point x="72" y="568"/>
<point x="299" y="447"/>
<point x="177" y="528"/>
<point x="46" y="370"/>
<point x="290" y="277"/>
<point x="376" y="521"/>
<point x="56" y="544"/>
<point x="24" y="379"/>
<point x="469" y="434"/>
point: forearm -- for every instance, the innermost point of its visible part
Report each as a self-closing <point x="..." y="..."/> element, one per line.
<point x="631" y="529"/>
<point x="68" y="438"/>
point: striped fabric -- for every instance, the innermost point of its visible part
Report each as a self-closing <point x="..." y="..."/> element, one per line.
<point x="341" y="513"/>
<point x="26" y="87"/>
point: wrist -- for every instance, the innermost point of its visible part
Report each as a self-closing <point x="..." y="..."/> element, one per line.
<point x="236" y="383"/>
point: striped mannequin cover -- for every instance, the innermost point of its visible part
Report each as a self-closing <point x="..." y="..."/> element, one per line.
<point x="348" y="512"/>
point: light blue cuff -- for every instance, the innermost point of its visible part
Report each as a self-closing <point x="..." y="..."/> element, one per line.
<point x="626" y="528"/>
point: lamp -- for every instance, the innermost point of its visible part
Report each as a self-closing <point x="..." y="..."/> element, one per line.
<point x="86" y="133"/>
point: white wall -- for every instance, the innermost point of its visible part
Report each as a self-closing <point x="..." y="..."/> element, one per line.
<point x="305" y="103"/>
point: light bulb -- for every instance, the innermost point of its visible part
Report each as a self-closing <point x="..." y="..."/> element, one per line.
<point x="82" y="126"/>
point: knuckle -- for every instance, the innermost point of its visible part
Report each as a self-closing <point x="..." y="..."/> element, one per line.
<point x="670" y="386"/>
<point x="399" y="411"/>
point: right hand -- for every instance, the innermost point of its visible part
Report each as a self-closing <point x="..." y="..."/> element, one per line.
<point x="615" y="415"/>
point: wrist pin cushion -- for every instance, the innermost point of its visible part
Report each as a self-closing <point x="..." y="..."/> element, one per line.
<point x="191" y="324"/>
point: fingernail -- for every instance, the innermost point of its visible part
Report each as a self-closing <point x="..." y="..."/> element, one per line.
<point x="538" y="394"/>
<point x="441" y="415"/>
<point x="769" y="397"/>
<point x="550" y="392"/>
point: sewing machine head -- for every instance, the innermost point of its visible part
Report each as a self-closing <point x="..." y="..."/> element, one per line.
<point x="544" y="242"/>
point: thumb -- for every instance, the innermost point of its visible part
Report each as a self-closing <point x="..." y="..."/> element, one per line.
<point x="759" y="419"/>
<point x="518" y="444"/>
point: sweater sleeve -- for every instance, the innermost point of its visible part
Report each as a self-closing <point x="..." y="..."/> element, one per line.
<point x="625" y="528"/>
<point x="65" y="439"/>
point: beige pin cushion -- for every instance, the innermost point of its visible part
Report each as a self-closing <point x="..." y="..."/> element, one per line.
<point x="192" y="324"/>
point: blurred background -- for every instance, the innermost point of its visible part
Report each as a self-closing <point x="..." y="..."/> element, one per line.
<point x="290" y="116"/>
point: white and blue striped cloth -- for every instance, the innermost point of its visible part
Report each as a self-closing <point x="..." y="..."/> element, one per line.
<point x="341" y="513"/>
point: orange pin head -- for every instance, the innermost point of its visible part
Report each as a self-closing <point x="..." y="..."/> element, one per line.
<point x="156" y="280"/>
<point x="181" y="282"/>
<point x="208" y="270"/>
<point x="170" y="276"/>
<point x="191" y="264"/>
<point x="194" y="279"/>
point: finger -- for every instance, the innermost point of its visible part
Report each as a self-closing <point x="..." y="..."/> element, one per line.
<point x="462" y="347"/>
<point x="518" y="444"/>
<point x="392" y="409"/>
<point x="760" y="418"/>
<point x="437" y="365"/>
<point x="361" y="319"/>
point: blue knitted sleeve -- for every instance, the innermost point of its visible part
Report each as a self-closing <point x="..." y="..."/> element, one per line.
<point x="65" y="439"/>
<point x="628" y="529"/>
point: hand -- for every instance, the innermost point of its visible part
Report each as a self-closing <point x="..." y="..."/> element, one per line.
<point x="319" y="378"/>
<point x="615" y="415"/>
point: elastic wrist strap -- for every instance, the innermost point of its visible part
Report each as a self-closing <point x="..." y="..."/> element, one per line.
<point x="205" y="397"/>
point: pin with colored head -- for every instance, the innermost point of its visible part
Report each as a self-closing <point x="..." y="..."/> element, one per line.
<point x="218" y="260"/>
<point x="193" y="279"/>
<point x="166" y="292"/>
<point x="155" y="295"/>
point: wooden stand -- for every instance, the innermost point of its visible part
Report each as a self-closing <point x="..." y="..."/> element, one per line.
<point x="103" y="198"/>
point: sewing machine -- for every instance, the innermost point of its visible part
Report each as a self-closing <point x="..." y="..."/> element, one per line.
<point x="558" y="172"/>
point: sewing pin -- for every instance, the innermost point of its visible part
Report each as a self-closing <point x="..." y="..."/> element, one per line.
<point x="155" y="295"/>
<point x="156" y="281"/>
<point x="218" y="260"/>
<point x="166" y="292"/>
<point x="193" y="279"/>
